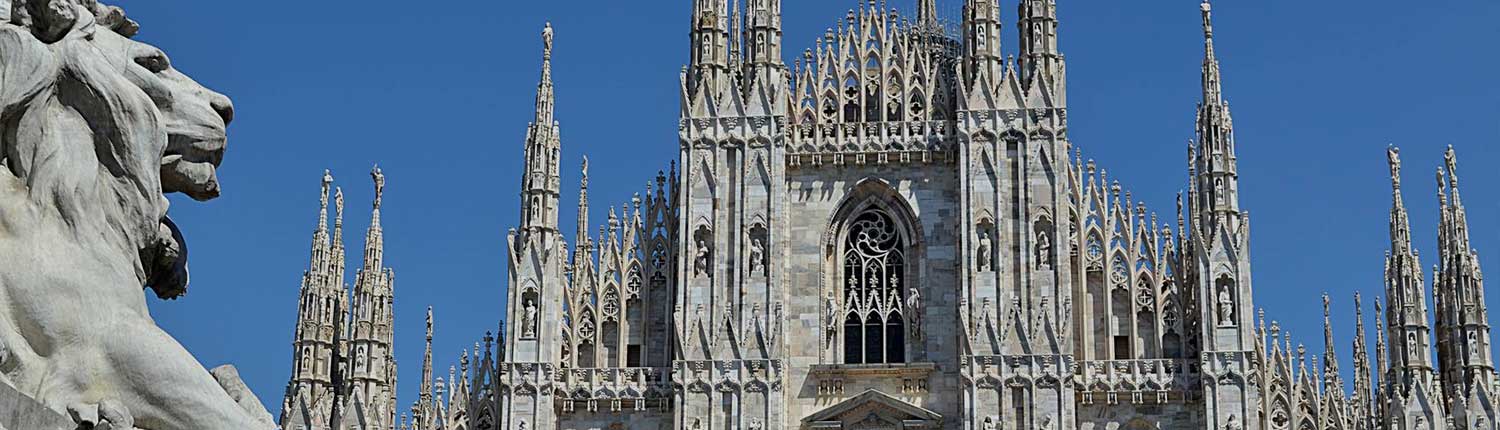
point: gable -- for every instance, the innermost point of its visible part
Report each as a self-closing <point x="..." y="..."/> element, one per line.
<point x="873" y="407"/>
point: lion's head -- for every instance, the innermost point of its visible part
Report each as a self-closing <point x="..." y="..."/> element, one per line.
<point x="95" y="127"/>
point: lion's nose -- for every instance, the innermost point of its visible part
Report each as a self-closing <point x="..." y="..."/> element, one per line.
<point x="223" y="106"/>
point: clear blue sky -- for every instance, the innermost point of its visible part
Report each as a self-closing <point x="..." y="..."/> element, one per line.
<point x="440" y="96"/>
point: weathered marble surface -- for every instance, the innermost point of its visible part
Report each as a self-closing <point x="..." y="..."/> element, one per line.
<point x="23" y="412"/>
<point x="94" y="128"/>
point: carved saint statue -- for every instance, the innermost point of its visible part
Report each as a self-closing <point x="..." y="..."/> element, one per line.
<point x="1473" y="345"/>
<point x="831" y="311"/>
<point x="1411" y="346"/>
<point x="757" y="256"/>
<point x="982" y="256"/>
<point x="529" y="320"/>
<point x="1226" y="306"/>
<point x="914" y="310"/>
<point x="989" y="423"/>
<point x="1048" y="424"/>
<point x="705" y="258"/>
<point x="1234" y="423"/>
<point x="1043" y="252"/>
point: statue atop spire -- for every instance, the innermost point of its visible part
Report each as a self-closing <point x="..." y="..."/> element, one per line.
<point x="327" y="181"/>
<point x="1212" y="79"/>
<point x="547" y="42"/>
<point x="1208" y="23"/>
<point x="1393" y="155"/>
<point x="379" y="178"/>
<point x="544" y="94"/>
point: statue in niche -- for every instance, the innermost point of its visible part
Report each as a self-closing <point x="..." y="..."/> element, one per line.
<point x="1411" y="346"/>
<point x="704" y="260"/>
<point x="1473" y="345"/>
<point x="983" y="256"/>
<point x="1234" y="423"/>
<point x="1421" y="424"/>
<point x="1048" y="424"/>
<point x="757" y="254"/>
<point x="1043" y="251"/>
<point x="989" y="423"/>
<point x="529" y="320"/>
<point x="1226" y="306"/>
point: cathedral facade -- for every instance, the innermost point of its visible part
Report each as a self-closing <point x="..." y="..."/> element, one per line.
<point x="894" y="231"/>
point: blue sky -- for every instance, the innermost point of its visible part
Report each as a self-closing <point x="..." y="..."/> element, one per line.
<point x="440" y="96"/>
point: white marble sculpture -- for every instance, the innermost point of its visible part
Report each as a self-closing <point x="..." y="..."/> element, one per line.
<point x="94" y="128"/>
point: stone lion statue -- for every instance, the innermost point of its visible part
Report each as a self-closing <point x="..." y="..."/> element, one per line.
<point x="94" y="128"/>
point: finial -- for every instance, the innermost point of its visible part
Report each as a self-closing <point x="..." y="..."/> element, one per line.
<point x="1208" y="23"/>
<point x="429" y="324"/>
<point x="1450" y="158"/>
<point x="338" y="202"/>
<point x="1442" y="187"/>
<point x="1326" y="303"/>
<point x="547" y="41"/>
<point x="379" y="178"/>
<point x="327" y="181"/>
<point x="1393" y="155"/>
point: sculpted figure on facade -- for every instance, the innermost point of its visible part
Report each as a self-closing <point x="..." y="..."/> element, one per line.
<point x="703" y="263"/>
<point x="1226" y="306"/>
<point x="757" y="251"/>
<point x="914" y="309"/>
<point x="95" y="128"/>
<point x="529" y="324"/>
<point x="984" y="255"/>
<point x="1043" y="251"/>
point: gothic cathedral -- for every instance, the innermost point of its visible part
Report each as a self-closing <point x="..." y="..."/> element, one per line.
<point x="894" y="231"/>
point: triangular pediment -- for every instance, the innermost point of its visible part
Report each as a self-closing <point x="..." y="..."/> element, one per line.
<point x="874" y="403"/>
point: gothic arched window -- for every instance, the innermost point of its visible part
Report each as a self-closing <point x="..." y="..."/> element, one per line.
<point x="875" y="280"/>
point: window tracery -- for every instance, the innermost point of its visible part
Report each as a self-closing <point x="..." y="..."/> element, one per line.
<point x="875" y="294"/>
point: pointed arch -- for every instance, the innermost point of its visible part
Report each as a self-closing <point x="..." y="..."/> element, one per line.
<point x="872" y="253"/>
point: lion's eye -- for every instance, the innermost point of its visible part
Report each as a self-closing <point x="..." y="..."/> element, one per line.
<point x="156" y="63"/>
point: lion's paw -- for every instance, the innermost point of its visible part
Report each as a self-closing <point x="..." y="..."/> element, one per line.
<point x="107" y="415"/>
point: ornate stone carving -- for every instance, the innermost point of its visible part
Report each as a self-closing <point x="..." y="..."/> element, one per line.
<point x="1043" y="251"/>
<point x="529" y="320"/>
<point x="1226" y="306"/>
<point x="96" y="128"/>
<point x="757" y="250"/>
<point x="704" y="248"/>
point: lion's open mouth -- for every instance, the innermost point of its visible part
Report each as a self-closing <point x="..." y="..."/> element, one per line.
<point x="190" y="166"/>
